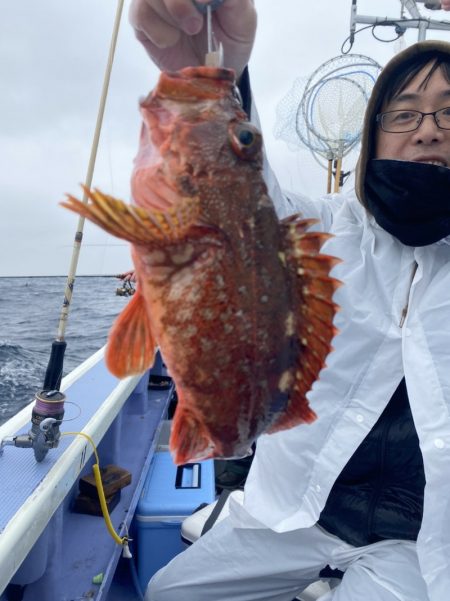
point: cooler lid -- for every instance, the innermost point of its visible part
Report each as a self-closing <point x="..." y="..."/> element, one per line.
<point x="173" y="492"/>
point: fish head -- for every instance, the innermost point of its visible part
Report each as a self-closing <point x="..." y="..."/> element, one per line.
<point x="195" y="141"/>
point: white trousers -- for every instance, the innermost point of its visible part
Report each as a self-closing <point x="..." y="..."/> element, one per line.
<point x="247" y="564"/>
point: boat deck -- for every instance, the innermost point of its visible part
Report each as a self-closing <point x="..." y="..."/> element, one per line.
<point x="73" y="557"/>
<point x="70" y="549"/>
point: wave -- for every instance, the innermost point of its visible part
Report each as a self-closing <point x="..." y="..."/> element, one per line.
<point x="29" y="315"/>
<point x="21" y="374"/>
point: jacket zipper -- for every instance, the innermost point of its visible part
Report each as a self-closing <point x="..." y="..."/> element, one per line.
<point x="405" y="308"/>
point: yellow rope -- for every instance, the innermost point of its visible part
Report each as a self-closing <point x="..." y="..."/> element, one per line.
<point x="101" y="492"/>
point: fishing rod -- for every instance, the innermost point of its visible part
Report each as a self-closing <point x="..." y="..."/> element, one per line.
<point x="48" y="411"/>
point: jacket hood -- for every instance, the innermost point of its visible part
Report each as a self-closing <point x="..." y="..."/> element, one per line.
<point x="393" y="67"/>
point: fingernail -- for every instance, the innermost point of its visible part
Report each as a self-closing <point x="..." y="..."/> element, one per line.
<point x="192" y="25"/>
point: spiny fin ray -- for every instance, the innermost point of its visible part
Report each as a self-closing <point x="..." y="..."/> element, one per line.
<point x="313" y="291"/>
<point x="135" y="224"/>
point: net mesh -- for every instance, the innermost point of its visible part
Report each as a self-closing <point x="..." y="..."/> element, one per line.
<point x="325" y="112"/>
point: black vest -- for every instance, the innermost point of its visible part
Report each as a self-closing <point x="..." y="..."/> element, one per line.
<point x="379" y="493"/>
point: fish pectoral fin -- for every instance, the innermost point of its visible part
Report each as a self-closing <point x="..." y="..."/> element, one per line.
<point x="131" y="344"/>
<point x="189" y="439"/>
<point x="313" y="313"/>
<point x="135" y="224"/>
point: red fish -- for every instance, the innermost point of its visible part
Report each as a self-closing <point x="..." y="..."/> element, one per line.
<point x="239" y="303"/>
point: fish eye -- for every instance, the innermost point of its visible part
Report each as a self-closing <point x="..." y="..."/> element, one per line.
<point x="245" y="140"/>
<point x="246" y="137"/>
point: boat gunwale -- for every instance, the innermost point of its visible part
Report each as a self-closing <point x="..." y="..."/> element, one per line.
<point x="27" y="524"/>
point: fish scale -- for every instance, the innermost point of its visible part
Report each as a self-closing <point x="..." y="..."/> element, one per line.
<point x="239" y="303"/>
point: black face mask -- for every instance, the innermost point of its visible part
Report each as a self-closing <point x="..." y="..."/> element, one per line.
<point x="409" y="200"/>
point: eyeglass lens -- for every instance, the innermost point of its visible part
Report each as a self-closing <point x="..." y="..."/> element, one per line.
<point x="402" y="121"/>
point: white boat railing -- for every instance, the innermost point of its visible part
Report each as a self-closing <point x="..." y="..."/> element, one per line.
<point x="55" y="479"/>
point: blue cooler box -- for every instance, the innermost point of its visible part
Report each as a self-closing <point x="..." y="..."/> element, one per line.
<point x="170" y="494"/>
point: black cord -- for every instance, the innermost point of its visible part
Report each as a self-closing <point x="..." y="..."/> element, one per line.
<point x="388" y="23"/>
<point x="347" y="39"/>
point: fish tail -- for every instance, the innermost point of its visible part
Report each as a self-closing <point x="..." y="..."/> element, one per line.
<point x="189" y="439"/>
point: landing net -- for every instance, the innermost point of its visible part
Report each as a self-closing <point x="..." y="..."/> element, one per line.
<point x="325" y="113"/>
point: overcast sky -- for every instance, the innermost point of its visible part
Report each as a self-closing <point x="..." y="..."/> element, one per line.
<point x="52" y="59"/>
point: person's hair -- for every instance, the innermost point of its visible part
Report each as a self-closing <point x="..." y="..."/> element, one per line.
<point x="390" y="85"/>
<point x="408" y="71"/>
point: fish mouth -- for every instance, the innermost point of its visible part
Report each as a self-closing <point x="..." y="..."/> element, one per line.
<point x="194" y="83"/>
<point x="207" y="72"/>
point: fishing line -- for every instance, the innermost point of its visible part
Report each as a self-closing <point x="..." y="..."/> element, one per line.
<point x="54" y="369"/>
<point x="107" y="237"/>
<point x="71" y="419"/>
<point x="58" y="402"/>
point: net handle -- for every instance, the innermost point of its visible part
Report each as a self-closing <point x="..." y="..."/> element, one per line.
<point x="330" y="175"/>
<point x="337" y="176"/>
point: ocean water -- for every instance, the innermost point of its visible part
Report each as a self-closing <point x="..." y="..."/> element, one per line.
<point x="29" y="317"/>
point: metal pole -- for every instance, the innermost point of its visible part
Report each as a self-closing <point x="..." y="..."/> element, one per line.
<point x="410" y="24"/>
<point x="422" y="31"/>
<point x="411" y="7"/>
<point x="353" y="15"/>
<point x="417" y="22"/>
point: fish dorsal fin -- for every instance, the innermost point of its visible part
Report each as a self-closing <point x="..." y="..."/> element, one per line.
<point x="135" y="224"/>
<point x="131" y="344"/>
<point x="312" y="316"/>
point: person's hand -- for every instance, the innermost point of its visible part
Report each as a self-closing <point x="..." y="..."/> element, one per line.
<point x="127" y="276"/>
<point x="445" y="4"/>
<point x="174" y="32"/>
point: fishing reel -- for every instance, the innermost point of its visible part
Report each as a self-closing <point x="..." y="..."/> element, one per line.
<point x="126" y="290"/>
<point x="47" y="415"/>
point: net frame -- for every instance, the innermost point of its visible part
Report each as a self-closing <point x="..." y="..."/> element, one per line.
<point x="353" y="71"/>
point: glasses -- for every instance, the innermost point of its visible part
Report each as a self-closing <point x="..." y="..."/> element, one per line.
<point x="398" y="122"/>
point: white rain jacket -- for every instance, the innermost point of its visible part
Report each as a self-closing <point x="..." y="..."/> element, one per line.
<point x="394" y="321"/>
